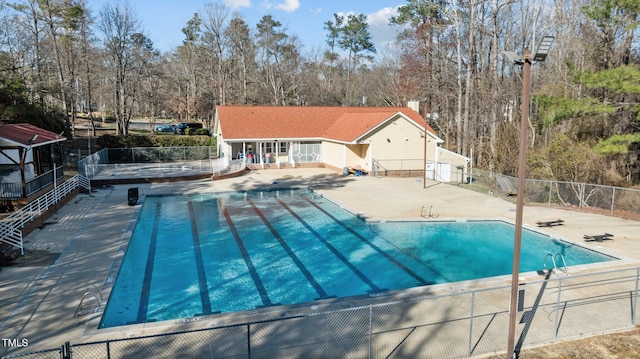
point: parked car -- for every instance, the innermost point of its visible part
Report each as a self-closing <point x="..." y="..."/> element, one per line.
<point x="164" y="128"/>
<point x="182" y="127"/>
<point x="179" y="129"/>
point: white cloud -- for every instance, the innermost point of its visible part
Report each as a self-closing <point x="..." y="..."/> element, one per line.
<point x="382" y="16"/>
<point x="382" y="33"/>
<point x="289" y="5"/>
<point x="237" y="3"/>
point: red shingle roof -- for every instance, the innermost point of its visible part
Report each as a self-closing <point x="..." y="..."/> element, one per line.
<point x="21" y="135"/>
<point x="345" y="124"/>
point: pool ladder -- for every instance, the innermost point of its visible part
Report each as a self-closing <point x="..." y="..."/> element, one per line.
<point x="94" y="303"/>
<point x="423" y="212"/>
<point x="554" y="261"/>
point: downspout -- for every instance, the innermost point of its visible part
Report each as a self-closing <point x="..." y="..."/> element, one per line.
<point x="371" y="155"/>
<point x="344" y="155"/>
<point x="436" y="167"/>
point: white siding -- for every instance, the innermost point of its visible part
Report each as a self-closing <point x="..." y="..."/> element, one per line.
<point x="334" y="154"/>
<point x="452" y="157"/>
<point x="399" y="145"/>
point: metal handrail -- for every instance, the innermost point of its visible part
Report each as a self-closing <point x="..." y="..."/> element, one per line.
<point x="555" y="266"/>
<point x="564" y="263"/>
<point x="11" y="226"/>
<point x="95" y="307"/>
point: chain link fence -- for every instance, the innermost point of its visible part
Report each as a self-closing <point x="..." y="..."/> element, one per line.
<point x="418" y="324"/>
<point x="615" y="201"/>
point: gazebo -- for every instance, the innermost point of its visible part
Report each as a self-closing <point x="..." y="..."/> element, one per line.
<point x="30" y="161"/>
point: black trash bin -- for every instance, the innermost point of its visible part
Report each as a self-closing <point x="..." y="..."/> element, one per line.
<point x="132" y="196"/>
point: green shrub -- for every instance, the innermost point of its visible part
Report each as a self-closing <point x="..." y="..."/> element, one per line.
<point x="201" y="132"/>
<point x="120" y="141"/>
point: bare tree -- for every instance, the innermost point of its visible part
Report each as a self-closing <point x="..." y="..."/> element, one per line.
<point x="120" y="28"/>
<point x="214" y="25"/>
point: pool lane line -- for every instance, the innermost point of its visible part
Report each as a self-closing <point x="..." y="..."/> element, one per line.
<point x="407" y="270"/>
<point x="407" y="253"/>
<point x="266" y="301"/>
<point x="314" y="283"/>
<point x="202" y="276"/>
<point x="148" y="270"/>
<point x="334" y="250"/>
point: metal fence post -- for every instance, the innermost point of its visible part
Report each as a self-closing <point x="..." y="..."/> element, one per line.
<point x="370" y="331"/>
<point x="613" y="198"/>
<point x="66" y="351"/>
<point x="634" y="302"/>
<point x="557" y="323"/>
<point x="249" y="341"/>
<point x="473" y="302"/>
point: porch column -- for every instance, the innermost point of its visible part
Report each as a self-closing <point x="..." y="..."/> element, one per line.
<point x="260" y="154"/>
<point x="55" y="174"/>
<point x="277" y="153"/>
<point x="290" y="155"/>
<point x="22" y="153"/>
<point x="244" y="153"/>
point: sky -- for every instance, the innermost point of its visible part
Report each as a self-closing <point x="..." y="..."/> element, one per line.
<point x="162" y="20"/>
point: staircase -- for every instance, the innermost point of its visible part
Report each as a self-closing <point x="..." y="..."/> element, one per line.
<point x="11" y="243"/>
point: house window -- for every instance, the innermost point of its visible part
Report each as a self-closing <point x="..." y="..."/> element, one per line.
<point x="283" y="147"/>
<point x="267" y="147"/>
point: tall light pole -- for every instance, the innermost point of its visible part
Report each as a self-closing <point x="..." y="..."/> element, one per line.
<point x="433" y="116"/>
<point x="525" y="61"/>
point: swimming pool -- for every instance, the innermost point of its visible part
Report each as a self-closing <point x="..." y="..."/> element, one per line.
<point x="196" y="255"/>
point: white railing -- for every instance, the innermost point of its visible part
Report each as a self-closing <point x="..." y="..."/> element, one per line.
<point x="11" y="226"/>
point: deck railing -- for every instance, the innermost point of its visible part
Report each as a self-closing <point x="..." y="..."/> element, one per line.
<point x="11" y="226"/>
<point x="14" y="190"/>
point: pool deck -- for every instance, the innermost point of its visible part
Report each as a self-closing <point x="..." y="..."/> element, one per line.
<point x="82" y="244"/>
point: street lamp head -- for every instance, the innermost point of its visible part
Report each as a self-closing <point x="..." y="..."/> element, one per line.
<point x="513" y="57"/>
<point x="543" y="48"/>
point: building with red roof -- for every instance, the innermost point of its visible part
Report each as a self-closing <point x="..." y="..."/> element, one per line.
<point x="383" y="140"/>
<point x="30" y="160"/>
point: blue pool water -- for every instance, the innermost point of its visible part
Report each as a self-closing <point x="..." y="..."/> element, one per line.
<point x="227" y="252"/>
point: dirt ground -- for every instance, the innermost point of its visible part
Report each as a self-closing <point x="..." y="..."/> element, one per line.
<point x="622" y="345"/>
